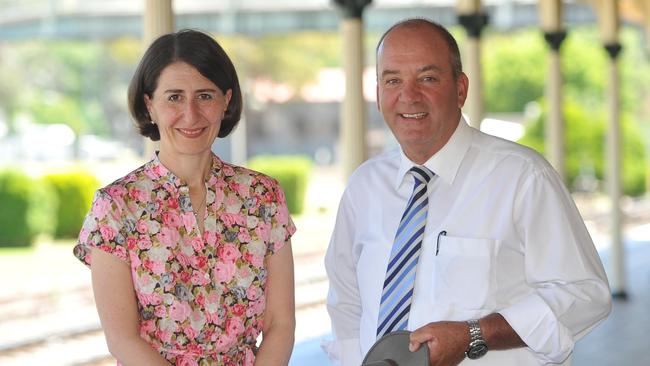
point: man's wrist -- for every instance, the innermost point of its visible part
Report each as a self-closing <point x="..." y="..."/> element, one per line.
<point x="477" y="347"/>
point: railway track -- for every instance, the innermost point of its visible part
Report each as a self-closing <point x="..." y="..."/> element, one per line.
<point x="62" y="328"/>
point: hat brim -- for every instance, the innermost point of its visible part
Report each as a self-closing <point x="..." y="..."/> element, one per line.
<point x="393" y="350"/>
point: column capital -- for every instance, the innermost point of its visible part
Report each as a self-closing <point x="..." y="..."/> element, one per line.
<point x="613" y="49"/>
<point x="352" y="8"/>
<point x="473" y="23"/>
<point x="555" y="39"/>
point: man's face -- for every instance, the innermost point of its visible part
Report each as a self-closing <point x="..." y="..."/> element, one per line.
<point x="416" y="91"/>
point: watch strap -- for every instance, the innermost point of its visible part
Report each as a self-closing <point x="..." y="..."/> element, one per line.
<point x="475" y="333"/>
<point x="477" y="346"/>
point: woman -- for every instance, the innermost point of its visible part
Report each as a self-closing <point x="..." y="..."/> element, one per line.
<point x="191" y="256"/>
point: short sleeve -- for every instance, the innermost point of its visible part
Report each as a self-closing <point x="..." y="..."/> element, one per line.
<point x="103" y="228"/>
<point x="282" y="226"/>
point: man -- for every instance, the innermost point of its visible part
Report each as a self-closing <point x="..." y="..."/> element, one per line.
<point x="490" y="253"/>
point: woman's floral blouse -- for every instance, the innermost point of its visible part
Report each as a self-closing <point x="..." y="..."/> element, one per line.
<point x="201" y="299"/>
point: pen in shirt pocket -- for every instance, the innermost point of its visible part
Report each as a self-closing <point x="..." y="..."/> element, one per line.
<point x="442" y="233"/>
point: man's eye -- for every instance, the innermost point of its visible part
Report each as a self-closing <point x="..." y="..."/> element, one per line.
<point x="174" y="98"/>
<point x="428" y="78"/>
<point x="392" y="81"/>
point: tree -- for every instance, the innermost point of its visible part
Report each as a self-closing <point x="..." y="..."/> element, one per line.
<point x="515" y="69"/>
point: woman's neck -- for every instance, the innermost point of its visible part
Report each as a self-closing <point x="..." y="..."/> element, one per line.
<point x="191" y="169"/>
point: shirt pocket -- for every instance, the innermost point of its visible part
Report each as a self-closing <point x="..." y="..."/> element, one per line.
<point x="465" y="273"/>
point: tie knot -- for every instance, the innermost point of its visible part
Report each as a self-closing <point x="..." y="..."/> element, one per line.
<point x="422" y="174"/>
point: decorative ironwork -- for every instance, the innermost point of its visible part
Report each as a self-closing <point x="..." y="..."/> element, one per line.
<point x="352" y="8"/>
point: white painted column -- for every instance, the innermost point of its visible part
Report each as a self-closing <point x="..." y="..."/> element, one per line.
<point x="613" y="179"/>
<point x="353" y="109"/>
<point x="551" y="23"/>
<point x="239" y="142"/>
<point x="473" y="20"/>
<point x="475" y="106"/>
<point x="609" y="23"/>
<point x="238" y="138"/>
<point x="158" y="20"/>
<point x="644" y="5"/>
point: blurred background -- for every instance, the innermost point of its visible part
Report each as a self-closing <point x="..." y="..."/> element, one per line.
<point x="568" y="78"/>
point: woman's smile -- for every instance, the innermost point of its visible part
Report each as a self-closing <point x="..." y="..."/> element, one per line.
<point x="191" y="132"/>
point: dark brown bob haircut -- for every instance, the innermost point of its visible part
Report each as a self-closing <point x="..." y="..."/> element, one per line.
<point x="196" y="49"/>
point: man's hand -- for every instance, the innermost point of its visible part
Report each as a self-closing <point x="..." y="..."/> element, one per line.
<point x="447" y="342"/>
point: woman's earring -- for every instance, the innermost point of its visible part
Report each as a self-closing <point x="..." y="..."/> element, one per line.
<point x="153" y="123"/>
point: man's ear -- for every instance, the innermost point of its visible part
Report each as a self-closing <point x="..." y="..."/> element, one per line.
<point x="377" y="97"/>
<point x="462" y="85"/>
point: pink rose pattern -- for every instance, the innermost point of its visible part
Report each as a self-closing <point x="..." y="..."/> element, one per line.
<point x="201" y="299"/>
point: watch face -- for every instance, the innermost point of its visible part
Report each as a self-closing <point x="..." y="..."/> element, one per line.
<point x="477" y="350"/>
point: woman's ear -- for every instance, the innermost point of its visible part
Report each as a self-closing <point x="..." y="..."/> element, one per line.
<point x="147" y="103"/>
<point x="227" y="97"/>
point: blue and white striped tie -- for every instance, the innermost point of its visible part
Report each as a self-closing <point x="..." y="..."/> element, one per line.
<point x="400" y="273"/>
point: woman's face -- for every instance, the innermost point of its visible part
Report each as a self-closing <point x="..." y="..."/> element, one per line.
<point x="188" y="109"/>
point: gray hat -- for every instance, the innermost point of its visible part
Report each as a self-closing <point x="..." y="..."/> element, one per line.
<point x="393" y="350"/>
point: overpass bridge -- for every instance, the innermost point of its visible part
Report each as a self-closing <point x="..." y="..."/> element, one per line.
<point x="107" y="19"/>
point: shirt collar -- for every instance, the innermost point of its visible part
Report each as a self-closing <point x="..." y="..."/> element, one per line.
<point x="446" y="162"/>
<point x="158" y="172"/>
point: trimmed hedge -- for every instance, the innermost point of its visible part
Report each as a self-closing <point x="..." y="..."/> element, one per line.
<point x="26" y="209"/>
<point x="585" y="146"/>
<point x="291" y="171"/>
<point x="75" y="191"/>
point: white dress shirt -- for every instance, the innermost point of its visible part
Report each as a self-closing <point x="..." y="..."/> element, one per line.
<point x="515" y="244"/>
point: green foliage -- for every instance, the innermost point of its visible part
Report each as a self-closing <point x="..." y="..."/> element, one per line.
<point x="246" y="54"/>
<point x="125" y="51"/>
<point x="27" y="209"/>
<point x="635" y="161"/>
<point x="75" y="191"/>
<point x="64" y="85"/>
<point x="634" y="72"/>
<point x="514" y="65"/>
<point x="297" y="61"/>
<point x="291" y="171"/>
<point x="294" y="59"/>
<point x="584" y="65"/>
<point x="78" y="83"/>
<point x="48" y="107"/>
<point x="585" y="146"/>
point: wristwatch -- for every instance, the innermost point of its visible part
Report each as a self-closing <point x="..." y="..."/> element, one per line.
<point x="477" y="346"/>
